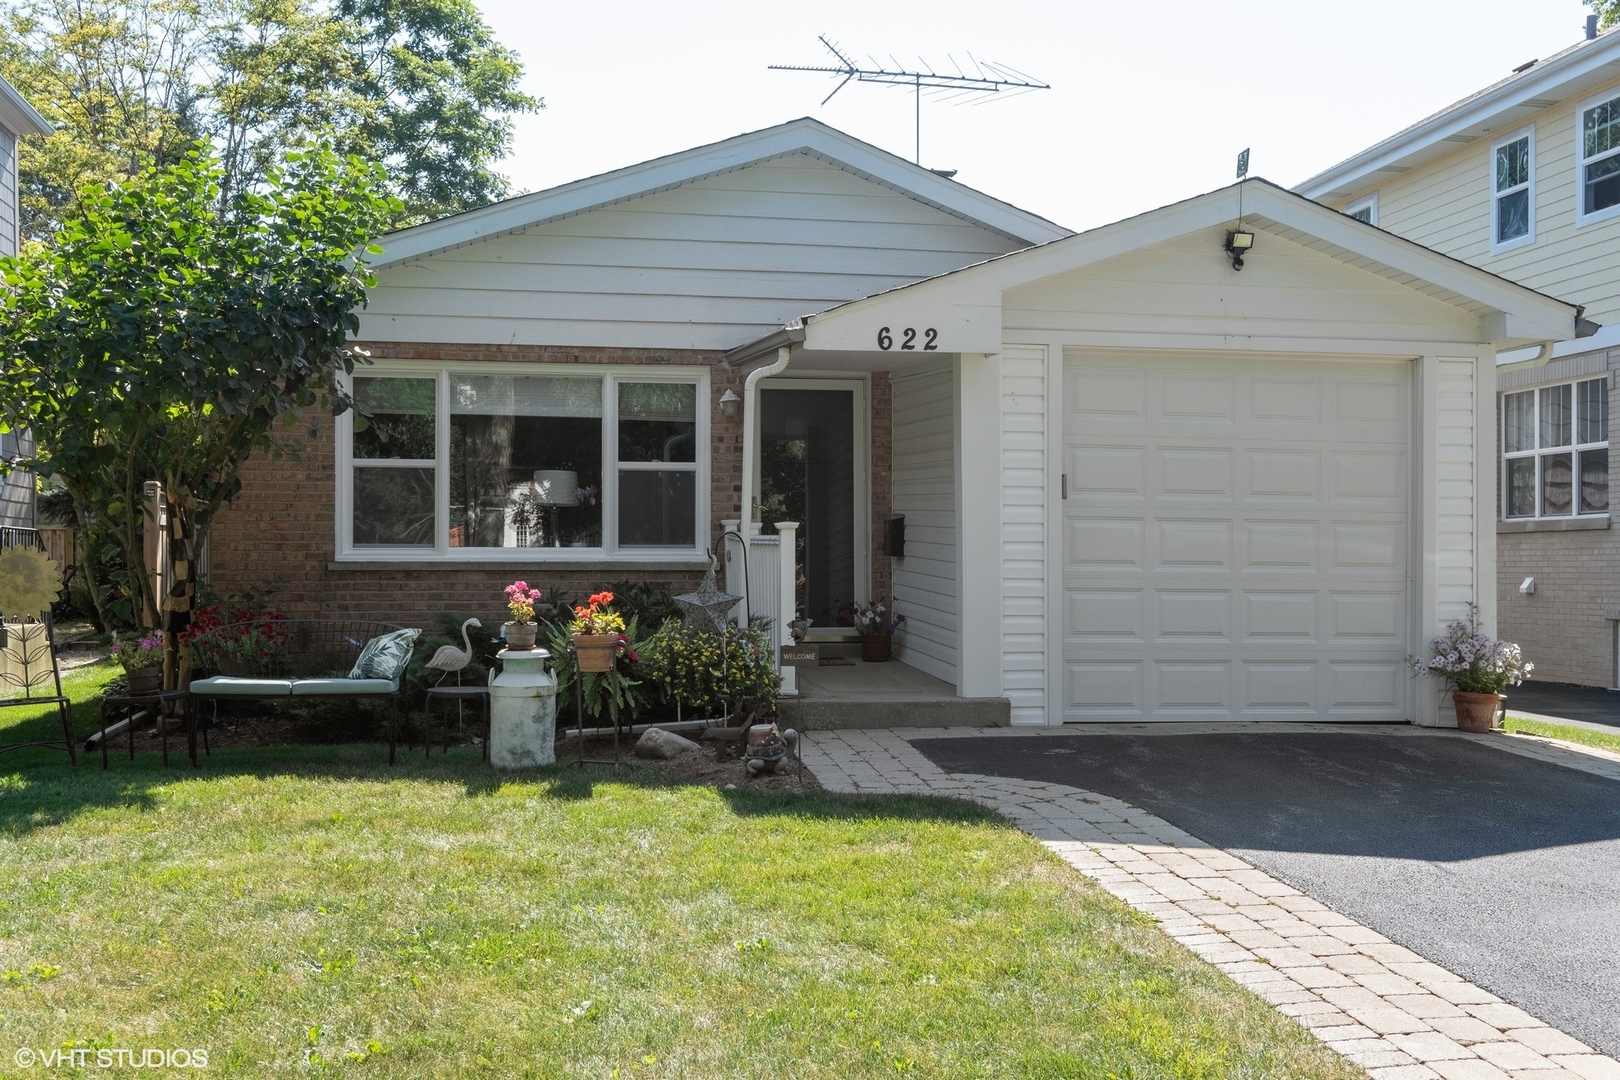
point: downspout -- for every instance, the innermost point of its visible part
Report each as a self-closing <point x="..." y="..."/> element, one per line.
<point x="1541" y="357"/>
<point x="751" y="435"/>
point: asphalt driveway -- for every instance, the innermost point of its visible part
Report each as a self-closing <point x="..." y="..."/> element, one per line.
<point x="1504" y="869"/>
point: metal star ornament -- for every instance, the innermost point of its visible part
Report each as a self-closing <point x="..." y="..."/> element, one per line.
<point x="707" y="607"/>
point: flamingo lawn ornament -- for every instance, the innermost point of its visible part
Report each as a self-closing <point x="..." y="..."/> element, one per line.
<point x="449" y="658"/>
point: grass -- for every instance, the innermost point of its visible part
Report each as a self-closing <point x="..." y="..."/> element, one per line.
<point x="1564" y="732"/>
<point x="309" y="910"/>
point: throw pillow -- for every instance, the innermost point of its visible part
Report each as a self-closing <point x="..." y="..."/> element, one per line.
<point x="385" y="656"/>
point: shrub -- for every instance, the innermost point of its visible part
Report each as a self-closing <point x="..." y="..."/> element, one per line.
<point x="709" y="671"/>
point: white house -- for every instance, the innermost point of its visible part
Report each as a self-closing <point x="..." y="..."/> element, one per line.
<point x="1138" y="482"/>
<point x="1522" y="178"/>
<point x="17" y="118"/>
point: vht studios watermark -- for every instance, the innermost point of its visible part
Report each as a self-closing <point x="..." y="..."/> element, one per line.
<point x="29" y="1057"/>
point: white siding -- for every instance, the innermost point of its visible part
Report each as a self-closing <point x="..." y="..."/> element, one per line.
<point x="1024" y="565"/>
<point x="924" y="490"/>
<point x="1455" y="488"/>
<point x="708" y="265"/>
<point x="8" y="193"/>
<point x="1446" y="205"/>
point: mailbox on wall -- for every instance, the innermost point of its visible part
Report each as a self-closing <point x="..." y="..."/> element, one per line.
<point x="894" y="537"/>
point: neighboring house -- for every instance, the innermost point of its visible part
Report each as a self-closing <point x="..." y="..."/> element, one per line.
<point x="17" y="118"/>
<point x="1523" y="179"/>
<point x="1138" y="484"/>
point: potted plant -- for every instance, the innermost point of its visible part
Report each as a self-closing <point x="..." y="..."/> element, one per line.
<point x="520" y="601"/>
<point x="877" y="627"/>
<point x="597" y="632"/>
<point x="143" y="663"/>
<point x="1476" y="666"/>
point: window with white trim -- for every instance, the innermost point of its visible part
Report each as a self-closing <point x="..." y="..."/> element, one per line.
<point x="1513" y="196"/>
<point x="1598" y="170"/>
<point x="1555" y="450"/>
<point x="1364" y="209"/>
<point x="473" y="462"/>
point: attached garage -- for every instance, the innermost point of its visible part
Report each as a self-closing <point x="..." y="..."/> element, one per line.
<point x="1185" y="491"/>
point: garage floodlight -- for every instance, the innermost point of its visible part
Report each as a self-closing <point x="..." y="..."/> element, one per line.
<point x="1238" y="244"/>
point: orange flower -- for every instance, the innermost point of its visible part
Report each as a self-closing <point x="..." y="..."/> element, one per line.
<point x="601" y="598"/>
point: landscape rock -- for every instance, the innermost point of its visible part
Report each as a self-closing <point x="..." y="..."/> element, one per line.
<point x="663" y="745"/>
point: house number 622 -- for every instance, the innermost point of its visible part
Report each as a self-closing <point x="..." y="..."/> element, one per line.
<point x="908" y="338"/>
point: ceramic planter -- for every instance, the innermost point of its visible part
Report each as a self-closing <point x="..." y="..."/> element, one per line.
<point x="875" y="648"/>
<point x="521" y="635"/>
<point x="1475" y="712"/>
<point x="596" y="652"/>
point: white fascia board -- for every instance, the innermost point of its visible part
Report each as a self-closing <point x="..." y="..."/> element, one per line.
<point x="1545" y="80"/>
<point x="1525" y="313"/>
<point x="19" y="117"/>
<point x="660" y="174"/>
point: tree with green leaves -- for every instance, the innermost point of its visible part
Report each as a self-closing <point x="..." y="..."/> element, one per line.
<point x="1608" y="12"/>
<point x="160" y="338"/>
<point x="419" y="86"/>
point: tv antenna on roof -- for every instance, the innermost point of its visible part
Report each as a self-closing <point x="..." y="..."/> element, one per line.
<point x="986" y="78"/>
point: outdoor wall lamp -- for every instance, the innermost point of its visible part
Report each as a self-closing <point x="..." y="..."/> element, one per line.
<point x="730" y="402"/>
<point x="1238" y="244"/>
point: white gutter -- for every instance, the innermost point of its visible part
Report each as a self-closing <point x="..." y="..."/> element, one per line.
<point x="1589" y="338"/>
<point x="751" y="435"/>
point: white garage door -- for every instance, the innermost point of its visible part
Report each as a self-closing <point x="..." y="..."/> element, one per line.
<point x="1236" y="539"/>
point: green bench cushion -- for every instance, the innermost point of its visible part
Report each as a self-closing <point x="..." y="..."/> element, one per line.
<point x="235" y="686"/>
<point x="342" y="687"/>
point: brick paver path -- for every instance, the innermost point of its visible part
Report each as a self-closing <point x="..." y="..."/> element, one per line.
<point x="1380" y="1005"/>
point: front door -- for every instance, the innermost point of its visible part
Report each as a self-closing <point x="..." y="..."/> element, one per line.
<point x="808" y="473"/>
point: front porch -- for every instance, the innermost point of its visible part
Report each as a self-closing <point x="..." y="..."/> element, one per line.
<point x="851" y="693"/>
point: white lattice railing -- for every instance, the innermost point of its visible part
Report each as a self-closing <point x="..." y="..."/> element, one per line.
<point x="767" y="580"/>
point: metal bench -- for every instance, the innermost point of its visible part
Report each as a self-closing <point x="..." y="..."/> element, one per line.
<point x="294" y="658"/>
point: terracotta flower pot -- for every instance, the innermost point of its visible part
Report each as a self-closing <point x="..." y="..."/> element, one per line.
<point x="1475" y="712"/>
<point x="596" y="652"/>
<point x="875" y="648"/>
<point x="521" y="635"/>
<point x="144" y="680"/>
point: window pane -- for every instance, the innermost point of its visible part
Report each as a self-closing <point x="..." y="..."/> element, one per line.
<point x="1592" y="414"/>
<point x="1594" y="481"/>
<point x="1513" y="216"/>
<point x="1555" y="485"/>
<point x="1600" y="128"/>
<point x="525" y="461"/>
<point x="1602" y="184"/>
<point x="1521" y="487"/>
<point x="393" y="506"/>
<point x="1519" y="422"/>
<point x="657" y="509"/>
<point x="401" y="420"/>
<point x="1363" y="213"/>
<point x="657" y="422"/>
<point x="1513" y="164"/>
<point x="1555" y="415"/>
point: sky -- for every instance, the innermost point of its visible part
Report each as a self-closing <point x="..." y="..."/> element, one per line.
<point x="1149" y="104"/>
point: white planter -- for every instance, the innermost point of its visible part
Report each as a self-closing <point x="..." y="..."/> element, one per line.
<point x="523" y="711"/>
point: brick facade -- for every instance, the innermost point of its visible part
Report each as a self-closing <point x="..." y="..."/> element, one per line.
<point x="277" y="537"/>
<point x="1567" y="628"/>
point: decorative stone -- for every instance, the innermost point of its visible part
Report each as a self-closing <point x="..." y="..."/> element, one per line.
<point x="663" y="745"/>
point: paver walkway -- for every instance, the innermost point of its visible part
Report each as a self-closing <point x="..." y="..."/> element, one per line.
<point x="1381" y="1005"/>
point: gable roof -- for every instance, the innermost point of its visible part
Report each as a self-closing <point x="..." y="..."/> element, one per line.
<point x="1517" y="314"/>
<point x="797" y="136"/>
<point x="1502" y="106"/>
<point x="19" y="117"/>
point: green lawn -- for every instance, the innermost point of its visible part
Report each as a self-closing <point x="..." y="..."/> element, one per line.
<point x="1585" y="736"/>
<point x="309" y="910"/>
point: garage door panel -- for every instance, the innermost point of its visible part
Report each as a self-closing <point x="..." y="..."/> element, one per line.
<point x="1202" y="474"/>
<point x="1260" y="570"/>
<point x="1194" y="544"/>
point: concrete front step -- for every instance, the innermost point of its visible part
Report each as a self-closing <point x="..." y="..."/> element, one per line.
<point x="824" y="714"/>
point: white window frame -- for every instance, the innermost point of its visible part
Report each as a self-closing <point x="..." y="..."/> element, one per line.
<point x="1581" y="217"/>
<point x="1368" y="203"/>
<point x="1538" y="451"/>
<point x="610" y="551"/>
<point x="1529" y="186"/>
